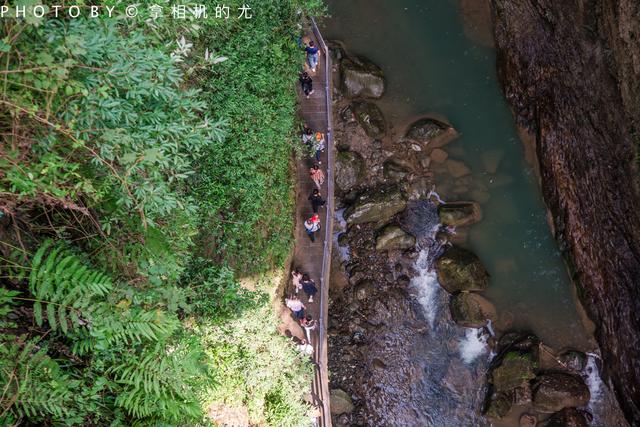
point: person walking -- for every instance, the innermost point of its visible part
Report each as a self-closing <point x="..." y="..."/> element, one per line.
<point x="309" y="325"/>
<point x="311" y="226"/>
<point x="307" y="83"/>
<point x="317" y="175"/>
<point x="316" y="200"/>
<point x="307" y="137"/>
<point x="312" y="55"/>
<point x="309" y="287"/>
<point x="318" y="146"/>
<point x="296" y="277"/>
<point x="295" y="305"/>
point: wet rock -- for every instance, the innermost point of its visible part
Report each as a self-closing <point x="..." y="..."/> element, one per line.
<point x="461" y="270"/>
<point x="569" y="417"/>
<point x="528" y="420"/>
<point x="340" y="402"/>
<point x="426" y="130"/>
<point x="438" y="155"/>
<point x="364" y="290"/>
<point x="379" y="206"/>
<point x="361" y="78"/>
<point x="499" y="405"/>
<point x="394" y="171"/>
<point x="574" y="360"/>
<point x="418" y="188"/>
<point x="516" y="368"/>
<point x="349" y="169"/>
<point x="343" y="239"/>
<point x="370" y="117"/>
<point x="471" y="310"/>
<point x="392" y="237"/>
<point x="460" y="214"/>
<point x="457" y="169"/>
<point x="555" y="391"/>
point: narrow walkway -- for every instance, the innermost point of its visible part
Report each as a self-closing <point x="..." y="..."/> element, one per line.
<point x="309" y="257"/>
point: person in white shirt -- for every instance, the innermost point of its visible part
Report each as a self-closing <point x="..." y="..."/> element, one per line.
<point x="296" y="306"/>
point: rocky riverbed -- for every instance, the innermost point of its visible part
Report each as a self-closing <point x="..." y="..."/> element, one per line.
<point x="393" y="343"/>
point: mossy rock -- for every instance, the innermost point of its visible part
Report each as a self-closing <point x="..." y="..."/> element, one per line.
<point x="376" y="207"/>
<point x="349" y="170"/>
<point x="459" y="214"/>
<point x="340" y="402"/>
<point x="370" y="117"/>
<point x="471" y="310"/>
<point x="394" y="171"/>
<point x="516" y="368"/>
<point x="393" y="237"/>
<point x="461" y="270"/>
<point x="425" y="130"/>
<point x="499" y="405"/>
<point x="361" y="78"/>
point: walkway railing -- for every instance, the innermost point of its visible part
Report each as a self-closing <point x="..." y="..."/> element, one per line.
<point x="321" y="383"/>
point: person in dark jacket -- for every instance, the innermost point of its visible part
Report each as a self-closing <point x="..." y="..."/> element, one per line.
<point x="307" y="83"/>
<point x="308" y="286"/>
<point x="316" y="200"/>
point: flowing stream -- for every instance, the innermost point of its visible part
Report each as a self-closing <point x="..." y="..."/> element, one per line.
<point x="434" y="65"/>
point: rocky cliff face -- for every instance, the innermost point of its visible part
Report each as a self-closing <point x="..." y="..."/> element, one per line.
<point x="571" y="71"/>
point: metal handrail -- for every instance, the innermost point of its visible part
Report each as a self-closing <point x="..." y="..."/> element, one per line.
<point x="322" y="389"/>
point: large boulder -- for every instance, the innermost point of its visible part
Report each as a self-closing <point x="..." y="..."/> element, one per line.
<point x="515" y="369"/>
<point x="556" y="390"/>
<point x="499" y="405"/>
<point x="460" y="214"/>
<point x="392" y="237"/>
<point x="361" y="78"/>
<point x="370" y="117"/>
<point x="349" y="170"/>
<point x="378" y="206"/>
<point x="461" y="270"/>
<point x="569" y="417"/>
<point x="471" y="310"/>
<point x="340" y="402"/>
<point x="426" y="130"/>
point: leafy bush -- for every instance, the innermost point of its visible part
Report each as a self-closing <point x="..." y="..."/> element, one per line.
<point x="123" y="141"/>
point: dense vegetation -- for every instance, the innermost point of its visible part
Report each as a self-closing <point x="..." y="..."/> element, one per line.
<point x="144" y="168"/>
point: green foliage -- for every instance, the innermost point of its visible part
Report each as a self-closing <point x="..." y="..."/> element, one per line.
<point x="216" y="295"/>
<point x="259" y="368"/>
<point x="122" y="142"/>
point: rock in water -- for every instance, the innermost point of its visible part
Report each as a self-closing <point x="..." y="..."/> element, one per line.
<point x="379" y="206"/>
<point x="471" y="310"/>
<point x="392" y="237"/>
<point x="569" y="417"/>
<point x="555" y="391"/>
<point x="499" y="405"/>
<point x="349" y="170"/>
<point x="460" y="214"/>
<point x="340" y="402"/>
<point x="370" y="117"/>
<point x="457" y="169"/>
<point x="438" y="155"/>
<point x="427" y="129"/>
<point x="516" y="369"/>
<point x="461" y="270"/>
<point x="361" y="78"/>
